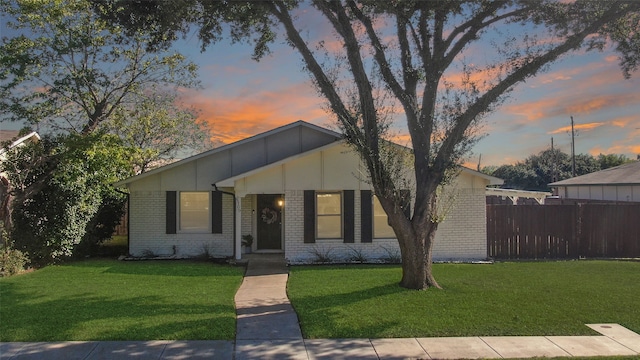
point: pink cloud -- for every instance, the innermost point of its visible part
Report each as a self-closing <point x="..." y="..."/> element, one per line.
<point x="586" y="127"/>
<point x="237" y="117"/>
<point x="568" y="104"/>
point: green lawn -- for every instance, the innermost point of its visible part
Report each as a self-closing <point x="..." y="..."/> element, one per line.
<point x="111" y="300"/>
<point x="526" y="298"/>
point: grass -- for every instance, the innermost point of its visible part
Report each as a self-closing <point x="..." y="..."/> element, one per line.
<point x="117" y="240"/>
<point x="527" y="298"/>
<point x="111" y="300"/>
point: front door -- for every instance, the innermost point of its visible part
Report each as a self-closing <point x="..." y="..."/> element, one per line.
<point x="269" y="221"/>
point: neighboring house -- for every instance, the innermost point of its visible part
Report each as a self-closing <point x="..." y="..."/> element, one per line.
<point x="620" y="183"/>
<point x="11" y="136"/>
<point x="298" y="189"/>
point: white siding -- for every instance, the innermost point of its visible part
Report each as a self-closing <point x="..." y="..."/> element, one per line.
<point x="601" y="192"/>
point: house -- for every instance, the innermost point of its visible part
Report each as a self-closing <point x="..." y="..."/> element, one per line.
<point x="617" y="184"/>
<point x="298" y="189"/>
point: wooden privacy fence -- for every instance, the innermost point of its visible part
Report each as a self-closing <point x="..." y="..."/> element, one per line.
<point x="123" y="227"/>
<point x="563" y="231"/>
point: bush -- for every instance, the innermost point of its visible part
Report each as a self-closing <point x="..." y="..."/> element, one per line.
<point x="66" y="205"/>
<point x="321" y="255"/>
<point x="12" y="262"/>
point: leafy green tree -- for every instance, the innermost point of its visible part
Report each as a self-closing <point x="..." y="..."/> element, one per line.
<point x="67" y="69"/>
<point x="408" y="54"/>
<point x="64" y="70"/>
<point x="160" y="128"/>
<point x="57" y="197"/>
<point x="610" y="160"/>
<point x="537" y="171"/>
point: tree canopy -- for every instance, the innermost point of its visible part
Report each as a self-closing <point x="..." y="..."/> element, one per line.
<point x="61" y="201"/>
<point x="376" y="61"/>
<point x="537" y="171"/>
<point x="66" y="69"/>
<point x="103" y="104"/>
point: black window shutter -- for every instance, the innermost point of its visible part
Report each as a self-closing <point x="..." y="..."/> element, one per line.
<point x="406" y="203"/>
<point x="349" y="216"/>
<point x="216" y="212"/>
<point x="309" y="216"/>
<point x="366" y="213"/>
<point x="171" y="215"/>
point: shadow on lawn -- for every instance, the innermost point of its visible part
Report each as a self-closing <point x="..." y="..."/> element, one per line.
<point x="87" y="317"/>
<point x="328" y="309"/>
<point x="182" y="267"/>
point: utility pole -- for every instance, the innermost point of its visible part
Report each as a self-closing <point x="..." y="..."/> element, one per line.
<point x="573" y="150"/>
<point x="554" y="177"/>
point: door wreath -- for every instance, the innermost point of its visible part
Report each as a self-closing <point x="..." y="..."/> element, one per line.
<point x="269" y="216"/>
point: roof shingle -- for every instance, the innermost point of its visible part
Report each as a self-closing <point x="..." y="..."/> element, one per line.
<point x="625" y="174"/>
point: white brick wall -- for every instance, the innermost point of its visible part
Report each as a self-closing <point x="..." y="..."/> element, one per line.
<point x="463" y="233"/>
<point x="147" y="229"/>
<point x="460" y="237"/>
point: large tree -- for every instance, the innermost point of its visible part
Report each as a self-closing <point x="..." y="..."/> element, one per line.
<point x="73" y="76"/>
<point x="160" y="127"/>
<point x="424" y="57"/>
<point x="62" y="193"/>
<point x="63" y="68"/>
<point x="550" y="165"/>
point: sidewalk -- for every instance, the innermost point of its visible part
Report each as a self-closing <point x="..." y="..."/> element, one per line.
<point x="268" y="328"/>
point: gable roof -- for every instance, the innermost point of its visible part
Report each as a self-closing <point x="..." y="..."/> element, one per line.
<point x="310" y="137"/>
<point x="317" y="138"/>
<point x="625" y="174"/>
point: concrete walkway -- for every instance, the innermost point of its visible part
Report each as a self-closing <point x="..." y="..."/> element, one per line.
<point x="268" y="328"/>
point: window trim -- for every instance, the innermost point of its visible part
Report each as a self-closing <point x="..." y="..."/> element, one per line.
<point x="179" y="229"/>
<point x="340" y="215"/>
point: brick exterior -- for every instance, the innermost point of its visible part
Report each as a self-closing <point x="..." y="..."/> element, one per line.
<point x="147" y="229"/>
<point x="460" y="237"/>
<point x="288" y="161"/>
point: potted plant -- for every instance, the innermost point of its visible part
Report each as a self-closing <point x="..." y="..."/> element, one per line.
<point x="247" y="241"/>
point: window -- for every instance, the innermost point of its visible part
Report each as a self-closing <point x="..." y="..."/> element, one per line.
<point x="194" y="211"/>
<point x="381" y="228"/>
<point x="329" y="215"/>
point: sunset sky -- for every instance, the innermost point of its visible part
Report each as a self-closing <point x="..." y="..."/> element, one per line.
<point x="240" y="97"/>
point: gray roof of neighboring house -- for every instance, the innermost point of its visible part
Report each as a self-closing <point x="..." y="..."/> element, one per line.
<point x="625" y="174"/>
<point x="15" y="141"/>
<point x="7" y="135"/>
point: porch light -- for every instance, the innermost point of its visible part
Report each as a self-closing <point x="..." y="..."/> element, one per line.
<point x="280" y="202"/>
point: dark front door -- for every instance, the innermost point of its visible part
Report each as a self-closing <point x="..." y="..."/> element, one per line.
<point x="269" y="222"/>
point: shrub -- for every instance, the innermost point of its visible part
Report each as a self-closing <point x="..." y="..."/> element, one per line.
<point x="392" y="256"/>
<point x="205" y="254"/>
<point x="357" y="255"/>
<point x="12" y="261"/>
<point x="65" y="198"/>
<point x="321" y="255"/>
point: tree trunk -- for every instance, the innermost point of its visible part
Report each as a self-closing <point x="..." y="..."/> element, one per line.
<point x="5" y="210"/>
<point x="416" y="260"/>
